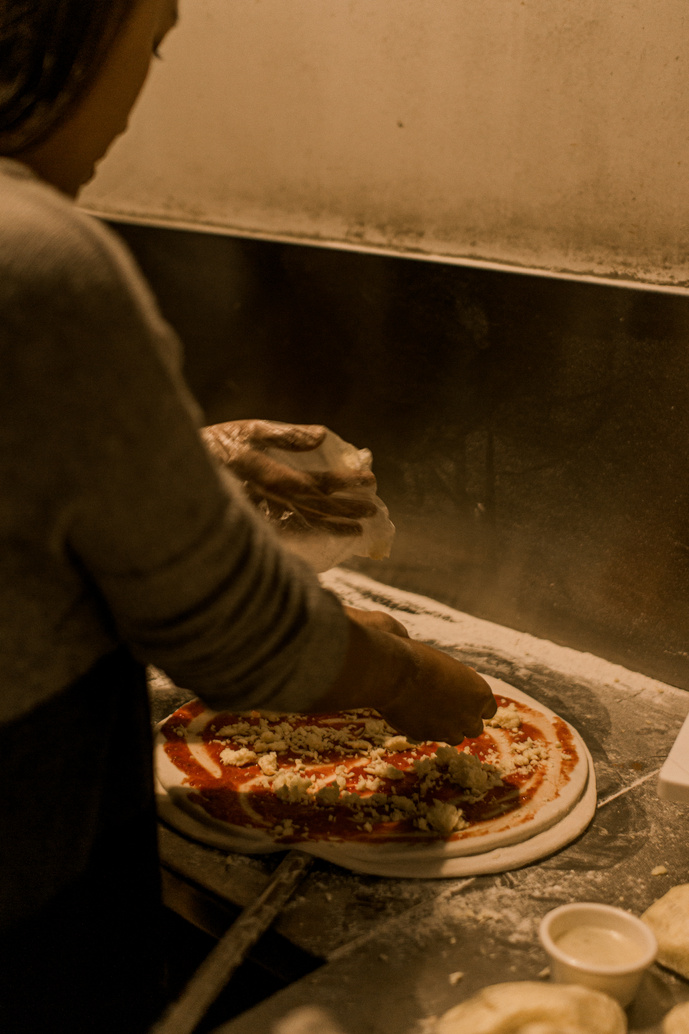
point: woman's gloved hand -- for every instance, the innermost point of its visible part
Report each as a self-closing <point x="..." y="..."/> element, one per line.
<point x="421" y="691"/>
<point x="377" y="619"/>
<point x="296" y="499"/>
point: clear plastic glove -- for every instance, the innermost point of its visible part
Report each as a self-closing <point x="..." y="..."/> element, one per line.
<point x="296" y="499"/>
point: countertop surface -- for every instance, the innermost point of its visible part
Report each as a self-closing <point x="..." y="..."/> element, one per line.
<point x="399" y="952"/>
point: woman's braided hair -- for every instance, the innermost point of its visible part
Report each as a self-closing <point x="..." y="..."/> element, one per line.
<point x="50" y="50"/>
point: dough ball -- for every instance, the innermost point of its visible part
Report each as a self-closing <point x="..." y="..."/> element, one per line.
<point x="528" y="1007"/>
<point x="677" y="1020"/>
<point x="548" y="1028"/>
<point x="668" y="917"/>
<point x="307" y="1019"/>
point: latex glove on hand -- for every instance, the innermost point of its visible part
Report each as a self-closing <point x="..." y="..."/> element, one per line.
<point x="440" y="699"/>
<point x="377" y="619"/>
<point x="423" y="692"/>
<point x="316" y="490"/>
<point x="437" y="698"/>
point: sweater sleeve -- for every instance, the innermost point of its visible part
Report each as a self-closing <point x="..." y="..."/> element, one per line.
<point x="190" y="577"/>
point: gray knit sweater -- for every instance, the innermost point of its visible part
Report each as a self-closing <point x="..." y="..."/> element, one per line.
<point x="115" y="527"/>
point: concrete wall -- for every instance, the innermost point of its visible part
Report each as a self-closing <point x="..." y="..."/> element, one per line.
<point x="551" y="134"/>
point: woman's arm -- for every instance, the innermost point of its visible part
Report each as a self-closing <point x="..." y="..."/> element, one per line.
<point x="185" y="572"/>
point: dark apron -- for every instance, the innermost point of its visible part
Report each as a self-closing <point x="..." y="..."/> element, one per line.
<point x="79" y="876"/>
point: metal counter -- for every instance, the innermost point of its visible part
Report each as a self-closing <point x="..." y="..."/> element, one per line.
<point x="393" y="954"/>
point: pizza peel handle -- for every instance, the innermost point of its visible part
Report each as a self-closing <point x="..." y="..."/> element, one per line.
<point x="215" y="971"/>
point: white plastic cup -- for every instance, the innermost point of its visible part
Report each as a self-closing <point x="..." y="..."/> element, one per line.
<point x="613" y="961"/>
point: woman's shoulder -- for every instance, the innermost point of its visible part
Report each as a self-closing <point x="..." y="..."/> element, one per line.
<point x="46" y="242"/>
<point x="61" y="268"/>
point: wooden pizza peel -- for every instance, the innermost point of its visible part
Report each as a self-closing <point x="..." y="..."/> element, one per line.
<point x="221" y="963"/>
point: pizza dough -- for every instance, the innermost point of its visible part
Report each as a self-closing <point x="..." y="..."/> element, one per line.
<point x="307" y="1019"/>
<point x="528" y="1007"/>
<point x="548" y="1028"/>
<point x="320" y="549"/>
<point x="396" y="809"/>
<point x="677" y="1020"/>
<point x="668" y="917"/>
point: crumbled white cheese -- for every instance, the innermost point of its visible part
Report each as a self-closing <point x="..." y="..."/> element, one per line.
<point x="237" y="729"/>
<point x="402" y="803"/>
<point x="524" y="756"/>
<point x="290" y="786"/>
<point x="268" y="763"/>
<point x="466" y="770"/>
<point x="505" y="718"/>
<point x="376" y="728"/>
<point x="444" y="817"/>
<point x="384" y="770"/>
<point x="394" y="743"/>
<point x="240" y="757"/>
<point x="360" y="746"/>
<point x="284" y="828"/>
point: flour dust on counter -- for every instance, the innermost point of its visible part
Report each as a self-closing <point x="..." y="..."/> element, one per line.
<point x="448" y="628"/>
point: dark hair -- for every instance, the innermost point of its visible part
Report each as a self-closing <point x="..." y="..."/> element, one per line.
<point x="50" y="50"/>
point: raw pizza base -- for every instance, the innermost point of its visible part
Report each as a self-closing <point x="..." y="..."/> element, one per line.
<point x="547" y="828"/>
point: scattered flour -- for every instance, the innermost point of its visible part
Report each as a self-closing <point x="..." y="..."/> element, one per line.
<point x="434" y="622"/>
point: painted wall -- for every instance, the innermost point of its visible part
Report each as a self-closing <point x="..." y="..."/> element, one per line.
<point x="551" y="134"/>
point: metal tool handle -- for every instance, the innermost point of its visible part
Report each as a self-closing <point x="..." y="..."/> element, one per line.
<point x="215" y="971"/>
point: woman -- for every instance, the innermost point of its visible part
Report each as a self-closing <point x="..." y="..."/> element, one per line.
<point x="121" y="545"/>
